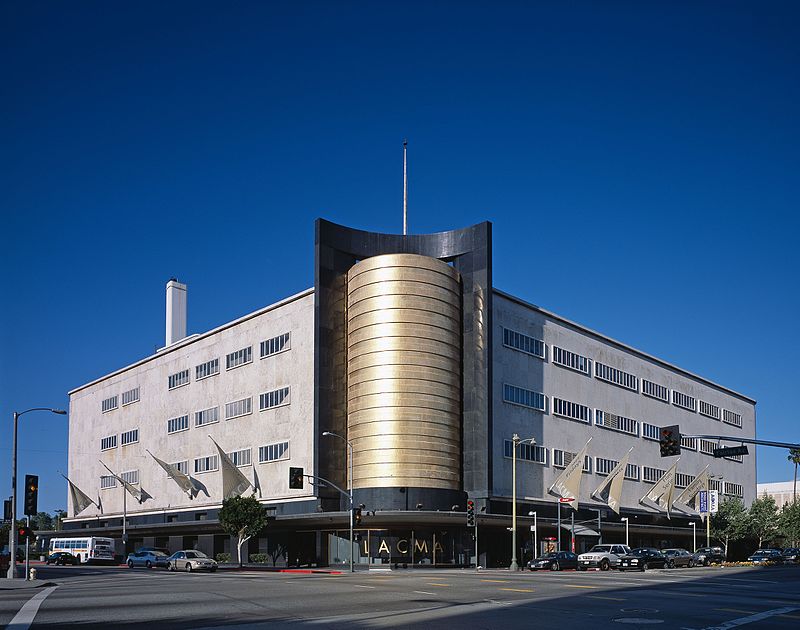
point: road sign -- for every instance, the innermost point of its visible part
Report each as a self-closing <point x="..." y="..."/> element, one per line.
<point x="713" y="502"/>
<point x="703" y="502"/>
<point x="728" y="451"/>
<point x="565" y="499"/>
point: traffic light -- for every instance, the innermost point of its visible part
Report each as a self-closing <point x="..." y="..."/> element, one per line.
<point x="470" y="513"/>
<point x="31" y="494"/>
<point x="7" y="515"/>
<point x="295" y="478"/>
<point x="357" y="515"/>
<point x="669" y="441"/>
<point x="24" y="534"/>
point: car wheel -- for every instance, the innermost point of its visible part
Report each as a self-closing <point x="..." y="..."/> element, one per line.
<point x="671" y="564"/>
<point x="130" y="564"/>
<point x="691" y="563"/>
<point x="555" y="567"/>
<point x="213" y="569"/>
<point x="580" y="568"/>
<point x="604" y="566"/>
<point x="148" y="564"/>
<point x="188" y="567"/>
<point x="644" y="566"/>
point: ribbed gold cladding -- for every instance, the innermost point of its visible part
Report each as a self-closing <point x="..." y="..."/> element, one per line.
<point x="404" y="372"/>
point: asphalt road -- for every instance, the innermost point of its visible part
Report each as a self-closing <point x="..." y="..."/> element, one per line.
<point x="699" y="598"/>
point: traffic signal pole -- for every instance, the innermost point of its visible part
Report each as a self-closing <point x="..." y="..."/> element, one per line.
<point x="28" y="551"/>
<point x="12" y="531"/>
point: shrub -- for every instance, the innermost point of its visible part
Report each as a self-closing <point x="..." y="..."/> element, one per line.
<point x="259" y="558"/>
<point x="223" y="557"/>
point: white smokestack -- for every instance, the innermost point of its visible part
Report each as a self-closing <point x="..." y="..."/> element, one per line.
<point x="176" y="311"/>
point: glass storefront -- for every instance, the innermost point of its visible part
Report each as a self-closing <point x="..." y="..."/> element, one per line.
<point x="401" y="548"/>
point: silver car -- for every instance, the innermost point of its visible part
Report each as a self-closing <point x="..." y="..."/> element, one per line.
<point x="191" y="560"/>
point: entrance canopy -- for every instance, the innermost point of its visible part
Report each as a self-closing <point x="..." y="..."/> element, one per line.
<point x="580" y="530"/>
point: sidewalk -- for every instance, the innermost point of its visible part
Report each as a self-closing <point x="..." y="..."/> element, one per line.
<point x="19" y="583"/>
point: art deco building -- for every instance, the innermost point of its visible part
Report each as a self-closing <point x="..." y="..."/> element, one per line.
<point x="404" y="348"/>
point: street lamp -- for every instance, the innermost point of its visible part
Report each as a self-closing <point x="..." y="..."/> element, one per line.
<point x="534" y="535"/>
<point x="516" y="440"/>
<point x="349" y="488"/>
<point x="12" y="534"/>
<point x="694" y="536"/>
<point x="625" y="518"/>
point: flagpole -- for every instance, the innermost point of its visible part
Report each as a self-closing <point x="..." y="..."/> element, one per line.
<point x="124" y="522"/>
<point x="405" y="188"/>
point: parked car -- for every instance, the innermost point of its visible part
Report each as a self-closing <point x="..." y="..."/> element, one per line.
<point x="641" y="559"/>
<point x="191" y="560"/>
<point x="604" y="557"/>
<point x="163" y="550"/>
<point x="555" y="561"/>
<point x="62" y="558"/>
<point x="767" y="556"/>
<point x="148" y="559"/>
<point x="709" y="555"/>
<point x="791" y="555"/>
<point x="678" y="558"/>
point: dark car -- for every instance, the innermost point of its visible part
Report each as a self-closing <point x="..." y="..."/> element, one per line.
<point x="678" y="558"/>
<point x="555" y="561"/>
<point x="62" y="557"/>
<point x="641" y="559"/>
<point x="709" y="555"/>
<point x="791" y="555"/>
<point x="767" y="556"/>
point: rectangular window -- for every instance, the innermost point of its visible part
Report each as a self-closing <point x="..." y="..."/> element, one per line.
<point x="108" y="404"/>
<point x="108" y="443"/>
<point x="179" y="379"/>
<point x="650" y="432"/>
<point x="107" y="481"/>
<point x="731" y="417"/>
<point x="275" y="398"/>
<point x="689" y="443"/>
<point x="240" y="458"/>
<point x="206" y="464"/>
<point x="528" y="452"/>
<point x="570" y="360"/>
<point x="562" y="459"/>
<point x="734" y="489"/>
<point x="131" y="396"/>
<point x="182" y="466"/>
<point x="615" y="376"/>
<point x="129" y="437"/>
<point x="654" y="390"/>
<point x="632" y="472"/>
<point x="682" y="480"/>
<point x="275" y="345"/>
<point x="181" y="423"/>
<point x="523" y="343"/>
<point x="273" y="452"/>
<point x="684" y="401"/>
<point x="131" y="476"/>
<point x="715" y="484"/>
<point x="616" y="423"/>
<point x="604" y="466"/>
<point x="651" y="475"/>
<point x="525" y="397"/>
<point x="238" y="408"/>
<point x="707" y="409"/>
<point x="206" y="416"/>
<point x="204" y="370"/>
<point x="571" y="410"/>
<point x="707" y="446"/>
<point x="240" y="357"/>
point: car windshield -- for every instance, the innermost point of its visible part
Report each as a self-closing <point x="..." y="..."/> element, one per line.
<point x="158" y="554"/>
<point x="195" y="554"/>
<point x="549" y="555"/>
<point x="600" y="549"/>
<point x="638" y="552"/>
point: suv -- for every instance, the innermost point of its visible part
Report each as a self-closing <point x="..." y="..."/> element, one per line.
<point x="602" y="556"/>
<point x="709" y="555"/>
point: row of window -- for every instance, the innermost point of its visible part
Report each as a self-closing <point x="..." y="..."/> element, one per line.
<point x="233" y="360"/>
<point x="128" y="437"/>
<point x="573" y="361"/>
<point x="112" y="402"/>
<point x="243" y="457"/>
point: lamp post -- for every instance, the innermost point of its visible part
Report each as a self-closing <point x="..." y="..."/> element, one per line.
<point x="349" y="488"/>
<point x="625" y="518"/>
<point x="534" y="535"/>
<point x="694" y="536"/>
<point x="12" y="534"/>
<point x="516" y="440"/>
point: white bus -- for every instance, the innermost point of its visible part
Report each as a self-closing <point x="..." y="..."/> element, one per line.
<point x="85" y="549"/>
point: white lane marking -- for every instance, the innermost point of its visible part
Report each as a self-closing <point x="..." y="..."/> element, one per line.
<point x="752" y="618"/>
<point x="363" y="586"/>
<point x="423" y="592"/>
<point x="24" y="618"/>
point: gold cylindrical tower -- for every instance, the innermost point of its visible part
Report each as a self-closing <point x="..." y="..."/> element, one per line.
<point x="404" y="372"/>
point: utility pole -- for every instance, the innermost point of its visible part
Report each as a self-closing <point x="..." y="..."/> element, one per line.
<point x="405" y="187"/>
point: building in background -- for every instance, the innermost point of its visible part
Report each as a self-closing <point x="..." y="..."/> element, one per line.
<point x="781" y="491"/>
<point x="404" y="347"/>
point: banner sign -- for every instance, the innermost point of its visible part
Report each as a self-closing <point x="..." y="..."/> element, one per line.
<point x="703" y="501"/>
<point x="713" y="502"/>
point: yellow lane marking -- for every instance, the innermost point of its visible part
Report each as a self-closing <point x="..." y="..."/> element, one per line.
<point x="735" y="610"/>
<point x="613" y="599"/>
<point x="497" y="581"/>
<point x="518" y="590"/>
<point x="580" y="586"/>
<point x="436" y="584"/>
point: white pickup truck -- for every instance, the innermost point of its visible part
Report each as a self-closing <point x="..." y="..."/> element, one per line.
<point x="603" y="557"/>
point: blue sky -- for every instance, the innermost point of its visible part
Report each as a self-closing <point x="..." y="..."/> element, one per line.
<point x="638" y="160"/>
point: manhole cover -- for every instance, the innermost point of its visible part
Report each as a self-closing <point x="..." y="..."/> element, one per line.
<point x="638" y="620"/>
<point x="639" y="611"/>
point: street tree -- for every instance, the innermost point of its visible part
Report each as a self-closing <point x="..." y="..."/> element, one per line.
<point x="243" y="517"/>
<point x="794" y="457"/>
<point x="42" y="521"/>
<point x="789" y="521"/>
<point x="731" y="522"/>
<point x="763" y="518"/>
